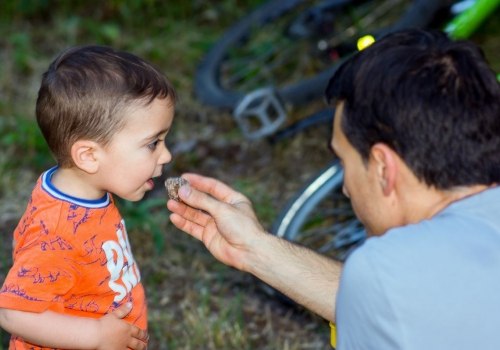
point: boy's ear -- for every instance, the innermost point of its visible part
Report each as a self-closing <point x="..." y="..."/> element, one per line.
<point x="84" y="156"/>
<point x="385" y="160"/>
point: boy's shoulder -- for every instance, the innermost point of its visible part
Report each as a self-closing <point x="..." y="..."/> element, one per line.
<point x="52" y="214"/>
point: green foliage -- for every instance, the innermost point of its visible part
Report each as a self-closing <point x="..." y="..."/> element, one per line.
<point x="4" y="339"/>
<point x="102" y="33"/>
<point x="142" y="218"/>
<point x="21" y="139"/>
<point x="266" y="211"/>
<point x="128" y="13"/>
<point x="24" y="8"/>
<point x="488" y="38"/>
<point x="22" y="51"/>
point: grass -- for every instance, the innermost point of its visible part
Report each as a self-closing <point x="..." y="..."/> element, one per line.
<point x="195" y="302"/>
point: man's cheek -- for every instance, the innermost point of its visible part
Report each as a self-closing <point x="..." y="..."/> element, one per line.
<point x="345" y="191"/>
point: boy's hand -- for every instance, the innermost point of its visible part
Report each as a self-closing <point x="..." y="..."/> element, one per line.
<point x="118" y="334"/>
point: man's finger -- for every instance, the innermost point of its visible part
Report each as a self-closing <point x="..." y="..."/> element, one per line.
<point x="214" y="187"/>
<point x="187" y="226"/>
<point x="192" y="214"/>
<point x="123" y="311"/>
<point x="200" y="200"/>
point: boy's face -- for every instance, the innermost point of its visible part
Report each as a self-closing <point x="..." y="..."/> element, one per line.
<point x="137" y="153"/>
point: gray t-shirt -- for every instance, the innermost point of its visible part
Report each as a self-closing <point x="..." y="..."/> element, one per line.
<point x="431" y="285"/>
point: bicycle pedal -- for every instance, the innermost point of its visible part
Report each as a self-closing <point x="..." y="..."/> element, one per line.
<point x="260" y="113"/>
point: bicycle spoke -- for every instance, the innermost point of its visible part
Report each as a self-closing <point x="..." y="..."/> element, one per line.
<point x="370" y="15"/>
<point x="267" y="57"/>
<point x="250" y="71"/>
<point x="266" y="74"/>
<point x="335" y="229"/>
<point x="290" y="42"/>
<point x="332" y="228"/>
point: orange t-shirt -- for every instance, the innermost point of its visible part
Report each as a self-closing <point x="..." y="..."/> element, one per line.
<point x="72" y="256"/>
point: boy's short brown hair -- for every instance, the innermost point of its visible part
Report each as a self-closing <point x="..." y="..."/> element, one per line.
<point x="86" y="89"/>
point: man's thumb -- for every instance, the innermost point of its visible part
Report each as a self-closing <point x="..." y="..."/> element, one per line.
<point x="184" y="191"/>
<point x="123" y="310"/>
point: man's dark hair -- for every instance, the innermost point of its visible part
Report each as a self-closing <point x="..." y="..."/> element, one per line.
<point x="434" y="101"/>
<point x="87" y="89"/>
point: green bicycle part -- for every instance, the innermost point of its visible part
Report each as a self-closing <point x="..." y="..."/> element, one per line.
<point x="464" y="24"/>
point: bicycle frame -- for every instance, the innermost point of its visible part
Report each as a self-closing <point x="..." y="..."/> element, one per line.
<point x="256" y="106"/>
<point x="465" y="23"/>
<point x="469" y="15"/>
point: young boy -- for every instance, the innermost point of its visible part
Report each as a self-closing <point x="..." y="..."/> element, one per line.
<point x="105" y="115"/>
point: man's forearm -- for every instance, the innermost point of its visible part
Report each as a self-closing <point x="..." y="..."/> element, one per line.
<point x="50" y="329"/>
<point x="305" y="276"/>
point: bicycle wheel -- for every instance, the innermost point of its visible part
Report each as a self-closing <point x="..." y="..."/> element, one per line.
<point x="321" y="217"/>
<point x="277" y="45"/>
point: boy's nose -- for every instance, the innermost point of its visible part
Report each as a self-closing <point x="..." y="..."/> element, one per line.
<point x="166" y="156"/>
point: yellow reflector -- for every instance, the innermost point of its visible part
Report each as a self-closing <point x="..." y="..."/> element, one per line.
<point x="365" y="41"/>
<point x="333" y="335"/>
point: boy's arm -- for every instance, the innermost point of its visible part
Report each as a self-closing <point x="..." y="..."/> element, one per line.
<point x="51" y="329"/>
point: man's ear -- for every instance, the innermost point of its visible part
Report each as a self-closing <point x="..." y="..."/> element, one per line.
<point x="385" y="160"/>
<point x="84" y="156"/>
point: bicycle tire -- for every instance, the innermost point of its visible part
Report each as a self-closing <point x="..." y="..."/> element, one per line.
<point x="320" y="118"/>
<point x="211" y="89"/>
<point x="320" y="216"/>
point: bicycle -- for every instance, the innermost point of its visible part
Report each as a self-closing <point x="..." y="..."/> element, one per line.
<point x="336" y="230"/>
<point x="320" y="216"/>
<point x="307" y="37"/>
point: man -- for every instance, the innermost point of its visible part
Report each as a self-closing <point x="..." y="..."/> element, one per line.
<point x="417" y="129"/>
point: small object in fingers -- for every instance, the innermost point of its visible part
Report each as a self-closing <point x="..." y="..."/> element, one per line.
<point x="172" y="184"/>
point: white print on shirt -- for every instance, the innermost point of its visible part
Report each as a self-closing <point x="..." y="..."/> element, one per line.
<point x="117" y="267"/>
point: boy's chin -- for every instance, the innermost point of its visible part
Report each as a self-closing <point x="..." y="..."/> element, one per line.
<point x="134" y="198"/>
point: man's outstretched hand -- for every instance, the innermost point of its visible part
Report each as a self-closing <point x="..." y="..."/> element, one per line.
<point x="223" y="219"/>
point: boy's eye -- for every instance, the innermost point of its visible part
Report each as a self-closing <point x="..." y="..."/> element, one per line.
<point x="153" y="144"/>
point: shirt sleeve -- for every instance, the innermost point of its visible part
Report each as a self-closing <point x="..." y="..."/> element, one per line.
<point x="43" y="272"/>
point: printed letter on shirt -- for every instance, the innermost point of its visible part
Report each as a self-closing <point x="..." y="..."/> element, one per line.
<point x="121" y="265"/>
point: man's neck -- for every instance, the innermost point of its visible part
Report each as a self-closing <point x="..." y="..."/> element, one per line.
<point x="428" y="203"/>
